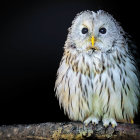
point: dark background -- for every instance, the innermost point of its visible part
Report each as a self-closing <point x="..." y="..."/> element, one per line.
<point x="32" y="35"/>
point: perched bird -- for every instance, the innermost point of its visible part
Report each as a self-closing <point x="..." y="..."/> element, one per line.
<point x="97" y="79"/>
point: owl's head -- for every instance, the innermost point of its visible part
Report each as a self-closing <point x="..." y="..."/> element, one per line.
<point x="97" y="31"/>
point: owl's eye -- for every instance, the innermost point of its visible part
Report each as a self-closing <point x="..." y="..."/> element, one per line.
<point x="102" y="30"/>
<point x="84" y="30"/>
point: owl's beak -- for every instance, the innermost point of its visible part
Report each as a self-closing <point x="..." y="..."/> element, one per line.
<point x="92" y="40"/>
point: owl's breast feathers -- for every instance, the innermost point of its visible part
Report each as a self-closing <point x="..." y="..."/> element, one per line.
<point x="103" y="85"/>
<point x="74" y="63"/>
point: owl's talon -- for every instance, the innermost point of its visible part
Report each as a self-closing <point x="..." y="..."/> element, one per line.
<point x="114" y="123"/>
<point x="106" y="122"/>
<point x="86" y="124"/>
<point x="95" y="121"/>
<point x="92" y="119"/>
<point x="105" y="125"/>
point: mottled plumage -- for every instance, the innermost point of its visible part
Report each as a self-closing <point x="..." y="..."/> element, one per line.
<point x="97" y="77"/>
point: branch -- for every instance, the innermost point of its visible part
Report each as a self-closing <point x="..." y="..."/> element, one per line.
<point x="69" y="130"/>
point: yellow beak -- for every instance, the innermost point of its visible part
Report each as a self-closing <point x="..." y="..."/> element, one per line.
<point x="92" y="40"/>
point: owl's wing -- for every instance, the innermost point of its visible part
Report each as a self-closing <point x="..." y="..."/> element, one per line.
<point x="134" y="50"/>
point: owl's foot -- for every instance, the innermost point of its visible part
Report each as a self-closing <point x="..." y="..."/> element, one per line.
<point x="92" y="119"/>
<point x="107" y="121"/>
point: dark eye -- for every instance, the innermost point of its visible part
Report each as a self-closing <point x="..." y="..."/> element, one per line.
<point x="84" y="30"/>
<point x="102" y="30"/>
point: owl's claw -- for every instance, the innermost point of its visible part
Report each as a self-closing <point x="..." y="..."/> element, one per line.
<point x="92" y="119"/>
<point x="114" y="125"/>
<point x="106" y="122"/>
<point x="94" y="123"/>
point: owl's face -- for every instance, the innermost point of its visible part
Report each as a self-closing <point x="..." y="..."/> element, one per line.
<point x="96" y="31"/>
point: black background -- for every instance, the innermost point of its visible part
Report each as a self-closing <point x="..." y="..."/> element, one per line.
<point x="32" y="35"/>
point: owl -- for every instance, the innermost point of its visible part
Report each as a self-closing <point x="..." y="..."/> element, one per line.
<point x="97" y="79"/>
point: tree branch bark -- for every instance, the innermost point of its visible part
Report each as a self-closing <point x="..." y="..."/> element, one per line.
<point x="69" y="130"/>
